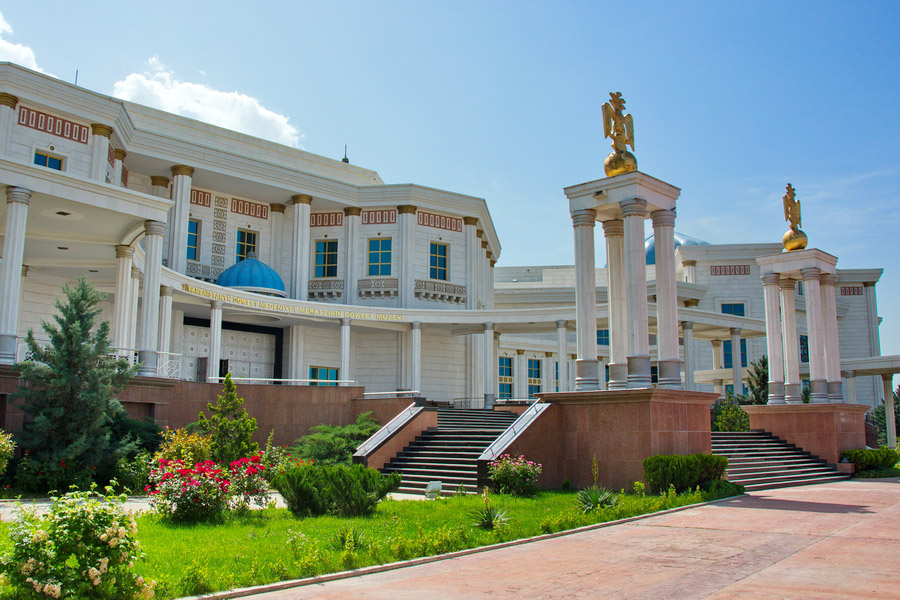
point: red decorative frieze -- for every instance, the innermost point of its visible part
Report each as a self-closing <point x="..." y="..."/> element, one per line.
<point x="124" y="176"/>
<point x="53" y="125"/>
<point x="729" y="270"/>
<point x="379" y="217"/>
<point x="111" y="155"/>
<point x="851" y="290"/>
<point x="440" y="221"/>
<point x="201" y="198"/>
<point x="251" y="209"/>
<point x="334" y="219"/>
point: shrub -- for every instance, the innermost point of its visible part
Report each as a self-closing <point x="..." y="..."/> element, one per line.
<point x="335" y="444"/>
<point x="310" y="490"/>
<point x="247" y="485"/>
<point x="684" y="472"/>
<point x="181" y="444"/>
<point x="133" y="475"/>
<point x="594" y="498"/>
<point x="869" y="458"/>
<point x="276" y="459"/>
<point x="7" y="447"/>
<point x="304" y="490"/>
<point x="515" y="476"/>
<point x="729" y="416"/>
<point x="84" y="547"/>
<point x="188" y="495"/>
<point x="229" y="426"/>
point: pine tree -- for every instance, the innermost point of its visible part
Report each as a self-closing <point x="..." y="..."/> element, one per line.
<point x="229" y="426"/>
<point x="69" y="397"/>
<point x="757" y="382"/>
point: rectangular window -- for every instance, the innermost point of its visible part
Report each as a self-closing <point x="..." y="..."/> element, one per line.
<point x="804" y="348"/>
<point x="505" y="373"/>
<point x="727" y="354"/>
<point x="324" y="375"/>
<point x="603" y="337"/>
<point x="42" y="159"/>
<point x="438" y="261"/>
<point x="534" y="376"/>
<point x="193" y="239"/>
<point x="379" y="257"/>
<point x="326" y="258"/>
<point x="736" y="309"/>
<point x="246" y="243"/>
<point x="654" y="374"/>
<point x="556" y="374"/>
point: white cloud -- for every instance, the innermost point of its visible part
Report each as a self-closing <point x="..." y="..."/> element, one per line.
<point x="158" y="87"/>
<point x="16" y="53"/>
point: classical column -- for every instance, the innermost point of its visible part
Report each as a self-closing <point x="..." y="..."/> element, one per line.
<point x="737" y="366"/>
<point x="586" y="374"/>
<point x="131" y="325"/>
<point x="159" y="187"/>
<point x="520" y="375"/>
<point x="690" y="269"/>
<point x="345" y="350"/>
<point x="872" y="317"/>
<point x="773" y="338"/>
<point x="718" y="386"/>
<point x="182" y="176"/>
<point x="831" y="341"/>
<point x="300" y="247"/>
<point x="215" y="339"/>
<point x="563" y="345"/>
<point x="818" y="386"/>
<point x="490" y="365"/>
<point x="351" y="233"/>
<point x="472" y="258"/>
<point x="119" y="158"/>
<point x="614" y="233"/>
<point x="122" y="308"/>
<point x="889" y="408"/>
<point x="548" y="381"/>
<point x="165" y="320"/>
<point x="296" y="369"/>
<point x="850" y="377"/>
<point x="415" y="334"/>
<point x="666" y="299"/>
<point x="689" y="360"/>
<point x="792" y="391"/>
<point x="17" y="200"/>
<point x="8" y="104"/>
<point x="277" y="212"/>
<point x="406" y="215"/>
<point x="633" y="213"/>
<point x="100" y="150"/>
<point x="153" y="231"/>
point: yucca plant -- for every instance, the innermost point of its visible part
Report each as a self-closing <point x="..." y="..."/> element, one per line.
<point x="593" y="498"/>
<point x="489" y="517"/>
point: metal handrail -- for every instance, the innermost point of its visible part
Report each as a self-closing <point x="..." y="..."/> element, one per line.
<point x="513" y="431"/>
<point x="326" y="381"/>
<point x="397" y="393"/>
<point x="400" y="420"/>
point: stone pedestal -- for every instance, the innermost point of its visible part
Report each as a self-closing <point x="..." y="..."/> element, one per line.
<point x="825" y="430"/>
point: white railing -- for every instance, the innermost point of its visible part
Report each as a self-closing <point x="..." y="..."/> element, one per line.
<point x="512" y="432"/>
<point x="385" y="432"/>
<point x="319" y="382"/>
<point x="396" y="394"/>
<point x="168" y="365"/>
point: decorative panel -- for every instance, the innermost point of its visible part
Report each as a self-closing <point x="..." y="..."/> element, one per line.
<point x="439" y="221"/>
<point x="53" y="125"/>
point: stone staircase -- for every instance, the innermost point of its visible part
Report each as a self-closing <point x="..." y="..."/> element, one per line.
<point x="759" y="461"/>
<point x="450" y="452"/>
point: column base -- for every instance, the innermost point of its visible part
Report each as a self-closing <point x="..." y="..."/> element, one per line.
<point x="793" y="393"/>
<point x="148" y="363"/>
<point x="586" y="378"/>
<point x="835" y="394"/>
<point x="639" y="371"/>
<point x="618" y="376"/>
<point x="670" y="374"/>
<point x="776" y="392"/>
<point x="8" y="349"/>
<point x="818" y="391"/>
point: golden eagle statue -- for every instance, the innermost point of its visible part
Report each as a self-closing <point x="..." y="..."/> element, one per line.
<point x="619" y="127"/>
<point x="793" y="239"/>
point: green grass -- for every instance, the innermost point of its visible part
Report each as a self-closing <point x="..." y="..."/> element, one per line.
<point x="271" y="545"/>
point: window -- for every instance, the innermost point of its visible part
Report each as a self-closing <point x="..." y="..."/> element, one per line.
<point x="326" y="258"/>
<point x="534" y="376"/>
<point x="379" y="257"/>
<point x="654" y="374"/>
<point x="556" y="374"/>
<point x="736" y="309"/>
<point x="324" y="375"/>
<point x="603" y="337"/>
<point x="438" y="261"/>
<point x="804" y="348"/>
<point x="42" y="159"/>
<point x="246" y="243"/>
<point x="505" y="372"/>
<point x="193" y="247"/>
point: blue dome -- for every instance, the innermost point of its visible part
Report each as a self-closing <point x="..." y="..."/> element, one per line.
<point x="252" y="275"/>
<point x="680" y="240"/>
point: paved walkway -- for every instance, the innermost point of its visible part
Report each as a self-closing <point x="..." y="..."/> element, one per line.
<point x="838" y="540"/>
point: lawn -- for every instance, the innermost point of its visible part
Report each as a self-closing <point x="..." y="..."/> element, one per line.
<point x="271" y="545"/>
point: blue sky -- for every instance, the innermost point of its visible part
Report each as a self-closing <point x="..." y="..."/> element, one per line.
<point x="501" y="100"/>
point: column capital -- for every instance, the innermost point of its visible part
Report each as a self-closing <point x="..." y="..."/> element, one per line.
<point x="123" y="251"/>
<point x="102" y="130"/>
<point x="25" y="270"/>
<point x="663" y="218"/>
<point x="470" y="221"/>
<point x="810" y="273"/>
<point x="8" y="100"/>
<point x="520" y="352"/>
<point x="614" y="228"/>
<point x="345" y="322"/>
<point x="484" y="244"/>
<point x="415" y="325"/>
<point x="479" y="233"/>
<point x="301" y="199"/>
<point x="216" y="304"/>
<point x="352" y="211"/>
<point x="159" y="181"/>
<point x="848" y="374"/>
<point x="17" y="194"/>
<point x="868" y="284"/>
<point x="136" y="273"/>
<point x="406" y="209"/>
<point x="689" y="263"/>
<point x="827" y="279"/>
<point x="635" y="207"/>
<point x="585" y="217"/>
<point x="182" y="170"/>
<point x="548" y="354"/>
<point x="734" y="331"/>
<point x="489" y="326"/>
<point x="687" y="325"/>
<point x="691" y="302"/>
<point x="562" y="324"/>
<point x="165" y="291"/>
<point x="154" y="227"/>
<point x="770" y="278"/>
<point x="277" y="208"/>
<point x="716" y="343"/>
<point x="786" y="284"/>
<point x="119" y="154"/>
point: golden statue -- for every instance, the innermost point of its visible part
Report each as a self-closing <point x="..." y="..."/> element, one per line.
<point x="793" y="239"/>
<point x="620" y="128"/>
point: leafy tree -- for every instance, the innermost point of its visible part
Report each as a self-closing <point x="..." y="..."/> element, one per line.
<point x="69" y="397"/>
<point x="881" y="422"/>
<point x="229" y="426"/>
<point x="335" y="444"/>
<point x="757" y="383"/>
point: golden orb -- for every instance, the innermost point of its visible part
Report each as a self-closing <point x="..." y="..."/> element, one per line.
<point x="794" y="239"/>
<point x="621" y="161"/>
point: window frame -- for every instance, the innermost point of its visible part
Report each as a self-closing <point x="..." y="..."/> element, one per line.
<point x="245" y="244"/>
<point x="196" y="245"/>
<point x="436" y="270"/>
<point x="316" y="372"/>
<point x="326" y="269"/>
<point x="505" y="370"/>
<point x="48" y="155"/>
<point x="534" y="366"/>
<point x="382" y="267"/>
<point x="603" y="337"/>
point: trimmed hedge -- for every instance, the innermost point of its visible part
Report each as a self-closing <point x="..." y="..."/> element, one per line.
<point x="685" y="472"/>
<point x="870" y="458"/>
<point x="311" y="490"/>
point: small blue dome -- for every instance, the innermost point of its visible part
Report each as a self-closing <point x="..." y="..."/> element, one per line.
<point x="680" y="240"/>
<point x="252" y="275"/>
